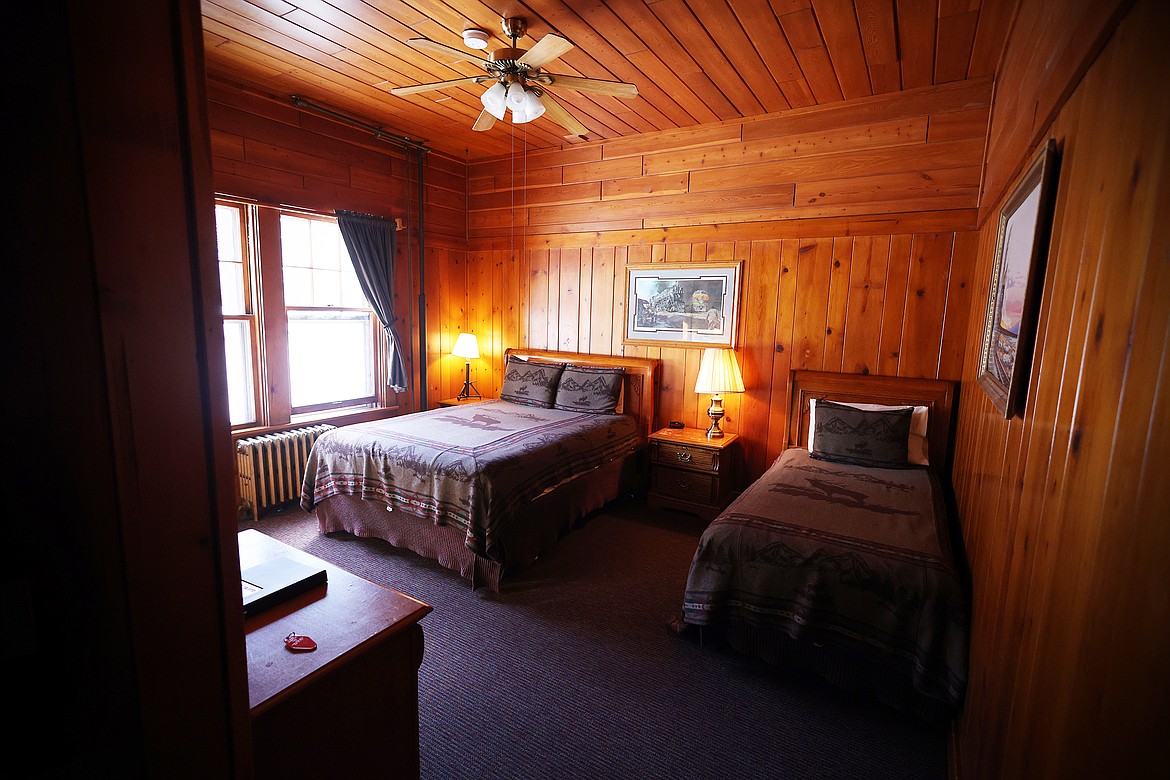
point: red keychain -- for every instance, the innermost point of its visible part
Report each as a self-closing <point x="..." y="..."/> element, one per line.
<point x="299" y="643"/>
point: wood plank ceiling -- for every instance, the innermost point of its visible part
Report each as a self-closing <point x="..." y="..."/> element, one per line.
<point x="694" y="61"/>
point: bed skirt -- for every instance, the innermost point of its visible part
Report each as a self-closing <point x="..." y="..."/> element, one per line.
<point x="526" y="535"/>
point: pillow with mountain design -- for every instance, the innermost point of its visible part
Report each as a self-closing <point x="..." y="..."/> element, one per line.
<point x="589" y="389"/>
<point x="846" y="434"/>
<point x="531" y="382"/>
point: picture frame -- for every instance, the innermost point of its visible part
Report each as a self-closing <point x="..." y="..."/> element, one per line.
<point x="1017" y="277"/>
<point x="683" y="304"/>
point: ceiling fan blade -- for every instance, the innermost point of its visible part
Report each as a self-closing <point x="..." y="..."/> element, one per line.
<point x="438" y="85"/>
<point x="614" y="88"/>
<point x="546" y="49"/>
<point x="484" y="121"/>
<point x="426" y="44"/>
<point x="556" y="112"/>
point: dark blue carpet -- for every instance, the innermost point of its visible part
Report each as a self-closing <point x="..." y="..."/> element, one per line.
<point x="570" y="671"/>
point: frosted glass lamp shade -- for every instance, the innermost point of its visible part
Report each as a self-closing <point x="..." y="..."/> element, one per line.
<point x="718" y="374"/>
<point x="494" y="98"/>
<point x="533" y="107"/>
<point x="466" y="346"/>
<point x="516" y="96"/>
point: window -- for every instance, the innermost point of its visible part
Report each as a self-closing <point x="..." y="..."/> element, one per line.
<point x="239" y="320"/>
<point x="300" y="338"/>
<point x="330" y="325"/>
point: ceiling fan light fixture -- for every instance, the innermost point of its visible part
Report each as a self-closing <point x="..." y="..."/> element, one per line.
<point x="475" y="38"/>
<point x="494" y="98"/>
<point x="533" y="107"/>
<point x="516" y="96"/>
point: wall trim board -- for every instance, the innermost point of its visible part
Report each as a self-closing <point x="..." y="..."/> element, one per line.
<point x="954" y="220"/>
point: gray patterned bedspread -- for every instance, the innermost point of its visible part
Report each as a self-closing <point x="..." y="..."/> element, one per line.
<point x="844" y="556"/>
<point x="467" y="466"/>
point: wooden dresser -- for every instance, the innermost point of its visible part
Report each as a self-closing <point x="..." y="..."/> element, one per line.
<point x="350" y="707"/>
<point x="690" y="472"/>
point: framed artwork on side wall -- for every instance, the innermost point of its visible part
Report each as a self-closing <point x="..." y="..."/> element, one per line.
<point x="682" y="304"/>
<point x="1017" y="276"/>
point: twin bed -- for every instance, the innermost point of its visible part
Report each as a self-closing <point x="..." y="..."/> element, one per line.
<point x="486" y="488"/>
<point x="838" y="559"/>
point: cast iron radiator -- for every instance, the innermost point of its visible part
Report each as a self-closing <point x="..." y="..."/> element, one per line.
<point x="271" y="467"/>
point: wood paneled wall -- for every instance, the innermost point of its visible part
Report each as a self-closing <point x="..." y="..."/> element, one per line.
<point x="851" y="222"/>
<point x="914" y="151"/>
<point x="1064" y="511"/>
<point x="278" y="153"/>
<point x="1061" y="41"/>
<point x="885" y="304"/>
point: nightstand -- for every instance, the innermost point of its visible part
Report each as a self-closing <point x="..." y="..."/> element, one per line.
<point x="690" y="472"/>
<point x="461" y="401"/>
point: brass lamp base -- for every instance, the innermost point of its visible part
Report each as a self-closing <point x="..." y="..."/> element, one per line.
<point x="716" y="414"/>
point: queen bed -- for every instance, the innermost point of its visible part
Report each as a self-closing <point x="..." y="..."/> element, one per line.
<point x="485" y="488"/>
<point x="838" y="560"/>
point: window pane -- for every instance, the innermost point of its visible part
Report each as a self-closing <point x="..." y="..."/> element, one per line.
<point x="229" y="242"/>
<point x="326" y="288"/>
<point x="237" y="340"/>
<point x="298" y="286"/>
<point x="317" y="244"/>
<point x="330" y="357"/>
<point x="328" y="245"/>
<point x="295" y="246"/>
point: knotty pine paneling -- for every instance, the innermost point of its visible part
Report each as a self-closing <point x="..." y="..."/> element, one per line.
<point x="890" y="304"/>
<point x="1062" y="39"/>
<point x="277" y="153"/>
<point x="1064" y="510"/>
<point x="916" y="151"/>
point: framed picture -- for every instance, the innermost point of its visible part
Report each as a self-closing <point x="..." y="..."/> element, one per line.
<point x="682" y="304"/>
<point x="1017" y="275"/>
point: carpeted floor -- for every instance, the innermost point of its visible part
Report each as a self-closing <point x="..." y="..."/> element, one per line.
<point x="570" y="671"/>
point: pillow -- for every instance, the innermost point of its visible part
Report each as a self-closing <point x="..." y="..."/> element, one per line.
<point x="589" y="389"/>
<point x="918" y="447"/>
<point x="876" y="438"/>
<point x="531" y="382"/>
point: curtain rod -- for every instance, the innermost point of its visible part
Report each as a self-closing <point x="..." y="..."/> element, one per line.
<point x="418" y="147"/>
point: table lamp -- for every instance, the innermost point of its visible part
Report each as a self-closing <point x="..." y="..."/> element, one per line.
<point x="718" y="374"/>
<point x="467" y="348"/>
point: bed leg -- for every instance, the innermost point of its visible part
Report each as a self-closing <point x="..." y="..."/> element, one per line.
<point x="701" y="637"/>
<point x="473" y="576"/>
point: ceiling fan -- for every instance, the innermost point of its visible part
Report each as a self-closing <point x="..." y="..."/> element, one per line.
<point x="519" y="83"/>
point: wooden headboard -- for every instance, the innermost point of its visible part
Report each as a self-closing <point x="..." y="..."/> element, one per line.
<point x="938" y="395"/>
<point x="639" y="388"/>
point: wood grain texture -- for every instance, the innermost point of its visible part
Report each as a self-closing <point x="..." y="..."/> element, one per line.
<point x="694" y="62"/>
<point x="867" y="156"/>
<point x="1071" y="590"/>
<point x="807" y="303"/>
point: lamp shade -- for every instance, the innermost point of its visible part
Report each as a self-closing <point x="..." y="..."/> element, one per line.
<point x="466" y="346"/>
<point x="533" y="107"/>
<point x="719" y="372"/>
<point x="494" y="98"/>
<point x="516" y="95"/>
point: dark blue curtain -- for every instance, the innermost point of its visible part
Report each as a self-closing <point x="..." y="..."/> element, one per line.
<point x="370" y="241"/>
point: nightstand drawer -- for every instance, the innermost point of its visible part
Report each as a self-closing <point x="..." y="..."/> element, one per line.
<point x="683" y="456"/>
<point x="685" y="485"/>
